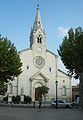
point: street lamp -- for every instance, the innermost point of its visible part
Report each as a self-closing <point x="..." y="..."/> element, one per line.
<point x="56" y="82"/>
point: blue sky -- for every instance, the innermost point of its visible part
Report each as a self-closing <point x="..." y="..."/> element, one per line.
<point x="17" y="17"/>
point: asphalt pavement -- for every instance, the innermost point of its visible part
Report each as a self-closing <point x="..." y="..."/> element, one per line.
<point x="21" y="113"/>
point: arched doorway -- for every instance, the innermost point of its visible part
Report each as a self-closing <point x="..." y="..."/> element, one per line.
<point x="38" y="95"/>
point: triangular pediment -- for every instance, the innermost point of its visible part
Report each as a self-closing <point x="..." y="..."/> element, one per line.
<point x="39" y="76"/>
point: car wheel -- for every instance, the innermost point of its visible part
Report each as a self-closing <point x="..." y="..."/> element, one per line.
<point x="67" y="106"/>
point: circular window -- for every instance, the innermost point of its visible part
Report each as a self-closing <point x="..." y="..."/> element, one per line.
<point x="39" y="61"/>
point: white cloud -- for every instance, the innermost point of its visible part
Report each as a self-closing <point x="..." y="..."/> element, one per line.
<point x="62" y="31"/>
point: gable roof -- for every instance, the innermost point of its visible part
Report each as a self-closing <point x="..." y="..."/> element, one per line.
<point x="63" y="72"/>
<point x="24" y="50"/>
<point x="51" y="53"/>
<point x="34" y="77"/>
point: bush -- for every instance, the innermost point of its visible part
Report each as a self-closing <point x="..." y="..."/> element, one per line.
<point x="16" y="99"/>
<point x="27" y="99"/>
<point x="5" y="99"/>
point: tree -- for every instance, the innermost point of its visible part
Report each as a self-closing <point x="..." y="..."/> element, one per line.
<point x="71" y="53"/>
<point x="3" y="88"/>
<point x="43" y="90"/>
<point x="10" y="62"/>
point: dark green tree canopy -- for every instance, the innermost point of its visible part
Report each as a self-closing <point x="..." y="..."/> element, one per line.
<point x="71" y="51"/>
<point x="3" y="88"/>
<point x="43" y="90"/>
<point x="10" y="62"/>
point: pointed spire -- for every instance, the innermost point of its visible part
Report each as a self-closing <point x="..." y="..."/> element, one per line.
<point x="37" y="22"/>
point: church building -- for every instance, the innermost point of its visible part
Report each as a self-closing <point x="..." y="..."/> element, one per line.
<point x="40" y="68"/>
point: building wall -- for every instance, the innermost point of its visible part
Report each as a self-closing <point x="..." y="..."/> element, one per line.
<point x="24" y="79"/>
<point x="64" y="86"/>
<point x="50" y="72"/>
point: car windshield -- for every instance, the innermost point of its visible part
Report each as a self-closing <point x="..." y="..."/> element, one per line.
<point x="61" y="101"/>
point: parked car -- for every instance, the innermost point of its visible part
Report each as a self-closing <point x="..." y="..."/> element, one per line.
<point x="61" y="103"/>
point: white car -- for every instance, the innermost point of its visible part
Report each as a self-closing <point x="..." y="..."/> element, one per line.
<point x="61" y="103"/>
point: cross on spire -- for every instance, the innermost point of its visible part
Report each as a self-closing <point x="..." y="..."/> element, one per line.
<point x="37" y="22"/>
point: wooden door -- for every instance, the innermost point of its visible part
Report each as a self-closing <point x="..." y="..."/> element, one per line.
<point x="38" y="95"/>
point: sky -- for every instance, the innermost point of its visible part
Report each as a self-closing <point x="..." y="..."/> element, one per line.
<point x="58" y="16"/>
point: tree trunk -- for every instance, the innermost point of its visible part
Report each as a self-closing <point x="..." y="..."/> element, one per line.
<point x="81" y="91"/>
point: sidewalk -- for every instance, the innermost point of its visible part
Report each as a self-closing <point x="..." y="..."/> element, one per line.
<point x="32" y="105"/>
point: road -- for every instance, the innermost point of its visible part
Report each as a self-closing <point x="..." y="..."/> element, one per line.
<point x="17" y="113"/>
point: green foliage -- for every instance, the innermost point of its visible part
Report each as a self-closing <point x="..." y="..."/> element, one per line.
<point x="71" y="51"/>
<point x="5" y="99"/>
<point x="43" y="90"/>
<point x="27" y="99"/>
<point x="10" y="62"/>
<point x="16" y="99"/>
<point x="3" y="88"/>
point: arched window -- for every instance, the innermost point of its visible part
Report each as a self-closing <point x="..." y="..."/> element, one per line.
<point x="39" y="39"/>
<point x="27" y="67"/>
<point x="64" y="90"/>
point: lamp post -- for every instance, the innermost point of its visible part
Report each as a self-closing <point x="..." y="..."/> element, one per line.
<point x="56" y="82"/>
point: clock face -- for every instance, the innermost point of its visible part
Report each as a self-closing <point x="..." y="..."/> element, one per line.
<point x="39" y="49"/>
<point x="39" y="61"/>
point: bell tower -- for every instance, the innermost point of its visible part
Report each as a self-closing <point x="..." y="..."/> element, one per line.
<point x="37" y="34"/>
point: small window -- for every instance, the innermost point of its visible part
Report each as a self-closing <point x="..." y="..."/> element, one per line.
<point x="50" y="69"/>
<point x="39" y="40"/>
<point x="27" y="67"/>
<point x="63" y="80"/>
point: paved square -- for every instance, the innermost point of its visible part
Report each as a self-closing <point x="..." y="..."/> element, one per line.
<point x="16" y="113"/>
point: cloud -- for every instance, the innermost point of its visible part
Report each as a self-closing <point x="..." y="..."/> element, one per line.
<point x="62" y="31"/>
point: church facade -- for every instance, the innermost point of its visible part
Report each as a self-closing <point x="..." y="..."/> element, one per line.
<point x="40" y="68"/>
